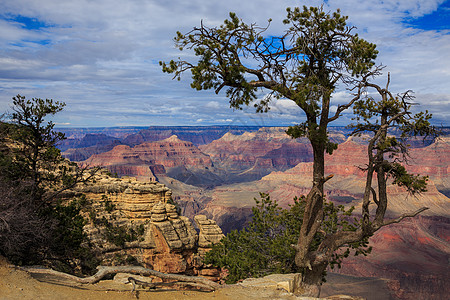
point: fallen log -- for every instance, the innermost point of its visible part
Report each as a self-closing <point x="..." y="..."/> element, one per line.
<point x="154" y="285"/>
<point x="108" y="270"/>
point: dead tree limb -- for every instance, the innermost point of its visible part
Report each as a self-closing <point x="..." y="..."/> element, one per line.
<point x="405" y="215"/>
<point x="154" y="285"/>
<point x="107" y="270"/>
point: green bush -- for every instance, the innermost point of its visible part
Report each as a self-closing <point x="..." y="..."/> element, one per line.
<point x="265" y="246"/>
<point x="70" y="245"/>
<point x="109" y="206"/>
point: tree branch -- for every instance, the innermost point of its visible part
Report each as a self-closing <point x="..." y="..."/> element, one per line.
<point x="341" y="108"/>
<point x="374" y="195"/>
<point x="405" y="215"/>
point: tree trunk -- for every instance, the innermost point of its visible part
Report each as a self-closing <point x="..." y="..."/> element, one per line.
<point x="318" y="165"/>
<point x="310" y="281"/>
<point x="311" y="278"/>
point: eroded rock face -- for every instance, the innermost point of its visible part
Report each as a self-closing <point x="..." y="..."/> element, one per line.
<point x="178" y="231"/>
<point x="172" y="156"/>
<point x="210" y="233"/>
<point x="171" y="152"/>
<point x="252" y="149"/>
<point x="413" y="255"/>
<point x="131" y="220"/>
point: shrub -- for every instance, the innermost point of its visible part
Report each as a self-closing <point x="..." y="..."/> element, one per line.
<point x="24" y="233"/>
<point x="265" y="246"/>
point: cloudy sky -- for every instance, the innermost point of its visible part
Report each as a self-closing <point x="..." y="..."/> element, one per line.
<point x="101" y="56"/>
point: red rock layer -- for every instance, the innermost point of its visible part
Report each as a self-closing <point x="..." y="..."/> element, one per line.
<point x="171" y="152"/>
<point x="412" y="254"/>
<point x="267" y="148"/>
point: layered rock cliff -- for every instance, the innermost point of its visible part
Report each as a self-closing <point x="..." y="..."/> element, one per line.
<point x="134" y="222"/>
<point x="240" y="152"/>
<point x="250" y="156"/>
<point x="198" y="135"/>
<point x="413" y="255"/>
<point x="179" y="159"/>
<point x="170" y="152"/>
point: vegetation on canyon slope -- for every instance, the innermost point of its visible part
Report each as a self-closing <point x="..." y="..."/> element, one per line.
<point x="265" y="245"/>
<point x="34" y="226"/>
<point x="316" y="54"/>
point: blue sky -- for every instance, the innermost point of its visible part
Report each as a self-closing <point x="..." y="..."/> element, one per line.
<point x="101" y="57"/>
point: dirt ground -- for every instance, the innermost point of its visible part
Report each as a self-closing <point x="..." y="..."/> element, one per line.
<point x="18" y="284"/>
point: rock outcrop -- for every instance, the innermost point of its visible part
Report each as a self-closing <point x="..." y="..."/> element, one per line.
<point x="130" y="220"/>
<point x="210" y="233"/>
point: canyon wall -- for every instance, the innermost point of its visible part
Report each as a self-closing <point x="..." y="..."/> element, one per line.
<point x="171" y="156"/>
<point x="413" y="255"/>
<point x="198" y="135"/>
<point x="134" y="222"/>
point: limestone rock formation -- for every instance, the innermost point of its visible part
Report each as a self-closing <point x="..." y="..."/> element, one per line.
<point x="178" y="231"/>
<point x="172" y="156"/>
<point x="210" y="233"/>
<point x="254" y="154"/>
<point x="134" y="221"/>
<point x="170" y="152"/>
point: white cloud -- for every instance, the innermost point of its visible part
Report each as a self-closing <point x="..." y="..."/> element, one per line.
<point x="101" y="56"/>
<point x="212" y="104"/>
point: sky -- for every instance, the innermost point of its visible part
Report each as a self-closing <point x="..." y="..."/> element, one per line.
<point x="101" y="57"/>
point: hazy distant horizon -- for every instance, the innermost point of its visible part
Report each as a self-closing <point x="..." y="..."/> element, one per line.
<point x="189" y="126"/>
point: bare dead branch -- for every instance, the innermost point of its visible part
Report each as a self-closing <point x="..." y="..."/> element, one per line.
<point x="328" y="178"/>
<point x="374" y="195"/>
<point x="107" y="270"/>
<point x="154" y="285"/>
<point x="405" y="215"/>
